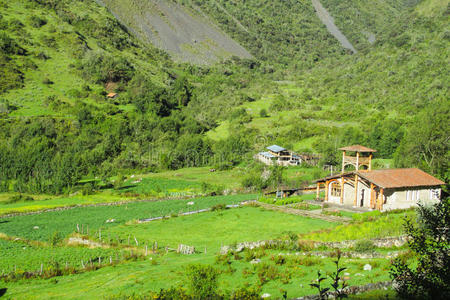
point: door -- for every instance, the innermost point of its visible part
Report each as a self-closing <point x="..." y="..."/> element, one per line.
<point x="362" y="198"/>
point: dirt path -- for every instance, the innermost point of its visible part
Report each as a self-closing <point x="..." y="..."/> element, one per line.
<point x="328" y="20"/>
<point x="305" y="213"/>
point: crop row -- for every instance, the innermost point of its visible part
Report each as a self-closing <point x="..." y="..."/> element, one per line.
<point x="41" y="227"/>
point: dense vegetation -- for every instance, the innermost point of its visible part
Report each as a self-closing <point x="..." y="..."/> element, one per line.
<point x="61" y="59"/>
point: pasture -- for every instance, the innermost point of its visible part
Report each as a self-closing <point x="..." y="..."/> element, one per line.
<point x="93" y="218"/>
<point x="276" y="269"/>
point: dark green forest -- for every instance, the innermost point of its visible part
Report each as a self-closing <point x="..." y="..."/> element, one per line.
<point x="59" y="59"/>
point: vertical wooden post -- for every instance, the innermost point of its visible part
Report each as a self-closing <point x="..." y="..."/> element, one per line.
<point x="342" y="190"/>
<point x="380" y="207"/>
<point x="355" y="202"/>
<point x="370" y="162"/>
<point x="357" y="161"/>
<point x="318" y="191"/>
<point x="343" y="161"/>
<point x="372" y="195"/>
<point x="327" y="183"/>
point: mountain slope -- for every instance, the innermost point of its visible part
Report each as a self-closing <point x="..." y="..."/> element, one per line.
<point x="186" y="34"/>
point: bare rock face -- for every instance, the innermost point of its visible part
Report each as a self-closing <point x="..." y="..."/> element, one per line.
<point x="185" y="33"/>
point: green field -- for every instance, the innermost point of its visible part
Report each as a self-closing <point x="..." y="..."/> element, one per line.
<point x="65" y="221"/>
<point x="224" y="227"/>
<point x="163" y="270"/>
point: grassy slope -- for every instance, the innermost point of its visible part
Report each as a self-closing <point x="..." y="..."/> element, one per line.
<point x="63" y="53"/>
<point x="395" y="78"/>
<point x="66" y="221"/>
<point x="225" y="227"/>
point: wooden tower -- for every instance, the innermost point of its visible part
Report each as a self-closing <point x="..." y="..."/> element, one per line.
<point x="362" y="157"/>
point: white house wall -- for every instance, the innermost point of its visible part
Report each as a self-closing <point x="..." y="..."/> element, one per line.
<point x="401" y="199"/>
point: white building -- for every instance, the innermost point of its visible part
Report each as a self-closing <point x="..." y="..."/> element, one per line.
<point x="279" y="156"/>
<point x="379" y="189"/>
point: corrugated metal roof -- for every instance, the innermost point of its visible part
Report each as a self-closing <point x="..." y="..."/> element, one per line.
<point x="276" y="148"/>
<point x="267" y="154"/>
<point x="357" y="148"/>
<point x="397" y="178"/>
<point x="394" y="178"/>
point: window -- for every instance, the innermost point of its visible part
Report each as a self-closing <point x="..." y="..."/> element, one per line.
<point x="435" y="194"/>
<point x="336" y="190"/>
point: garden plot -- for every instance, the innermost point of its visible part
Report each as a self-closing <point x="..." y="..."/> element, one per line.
<point x="43" y="226"/>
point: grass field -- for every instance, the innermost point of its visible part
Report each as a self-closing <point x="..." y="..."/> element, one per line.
<point x="65" y="221"/>
<point x="366" y="226"/>
<point x="225" y="227"/>
<point x="208" y="230"/>
<point x="169" y="184"/>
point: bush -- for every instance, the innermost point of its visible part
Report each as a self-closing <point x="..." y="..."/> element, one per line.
<point x="364" y="246"/>
<point x="220" y="206"/>
<point x="47" y="81"/>
<point x="202" y="281"/>
<point x="18" y="198"/>
<point x="37" y="22"/>
<point x="429" y="242"/>
<point x="246" y="293"/>
<point x="55" y="238"/>
<point x="267" y="272"/>
<point x="263" y="113"/>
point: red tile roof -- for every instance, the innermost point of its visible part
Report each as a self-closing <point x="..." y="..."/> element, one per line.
<point x="398" y="178"/>
<point x="393" y="178"/>
<point x="112" y="95"/>
<point x="357" y="148"/>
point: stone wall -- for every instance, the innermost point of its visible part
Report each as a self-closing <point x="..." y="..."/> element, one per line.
<point x="387" y="242"/>
<point x="352" y="290"/>
<point x="381" y="242"/>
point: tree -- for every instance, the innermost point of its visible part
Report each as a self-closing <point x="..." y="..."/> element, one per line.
<point x="429" y="242"/>
<point x="427" y="143"/>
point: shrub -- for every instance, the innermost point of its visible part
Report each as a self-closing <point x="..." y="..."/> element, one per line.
<point x="279" y="259"/>
<point x="220" y="206"/>
<point x="171" y="293"/>
<point x="364" y="246"/>
<point x="429" y="242"/>
<point x="18" y="198"/>
<point x="267" y="272"/>
<point x="47" y="81"/>
<point x="263" y="113"/>
<point x="246" y="293"/>
<point x="37" y="22"/>
<point x="202" y="281"/>
<point x="55" y="238"/>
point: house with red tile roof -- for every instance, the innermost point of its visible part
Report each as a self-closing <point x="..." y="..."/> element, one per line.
<point x="384" y="189"/>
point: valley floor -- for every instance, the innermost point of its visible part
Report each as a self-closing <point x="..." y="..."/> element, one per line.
<point x="124" y="257"/>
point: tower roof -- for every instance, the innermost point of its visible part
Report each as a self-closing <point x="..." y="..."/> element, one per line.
<point x="357" y="148"/>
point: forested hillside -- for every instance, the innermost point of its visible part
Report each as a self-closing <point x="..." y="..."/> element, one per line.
<point x="60" y="59"/>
